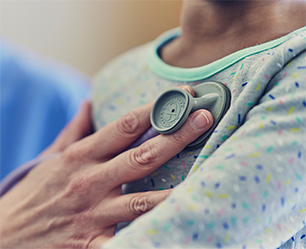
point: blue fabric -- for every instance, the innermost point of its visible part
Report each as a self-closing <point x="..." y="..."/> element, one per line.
<point x="38" y="98"/>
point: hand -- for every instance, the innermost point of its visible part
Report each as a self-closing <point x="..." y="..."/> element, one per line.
<point x="75" y="199"/>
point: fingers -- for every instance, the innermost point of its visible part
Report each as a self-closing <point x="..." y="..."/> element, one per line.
<point x="118" y="135"/>
<point x="131" y="206"/>
<point x="98" y="242"/>
<point x="143" y="160"/>
<point x="188" y="89"/>
<point x="79" y="127"/>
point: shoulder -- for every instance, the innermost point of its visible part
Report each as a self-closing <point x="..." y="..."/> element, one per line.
<point x="129" y="61"/>
<point x="136" y="59"/>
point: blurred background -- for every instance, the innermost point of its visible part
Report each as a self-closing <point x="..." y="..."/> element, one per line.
<point x="48" y="52"/>
<point x="86" y="34"/>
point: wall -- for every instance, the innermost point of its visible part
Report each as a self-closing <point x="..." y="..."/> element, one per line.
<point x="86" y="34"/>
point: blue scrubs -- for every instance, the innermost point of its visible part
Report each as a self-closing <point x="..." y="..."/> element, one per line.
<point x="38" y="98"/>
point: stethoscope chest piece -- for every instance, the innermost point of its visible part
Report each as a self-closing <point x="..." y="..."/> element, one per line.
<point x="172" y="108"/>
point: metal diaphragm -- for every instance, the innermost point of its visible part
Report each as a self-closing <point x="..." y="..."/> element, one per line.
<point x="172" y="108"/>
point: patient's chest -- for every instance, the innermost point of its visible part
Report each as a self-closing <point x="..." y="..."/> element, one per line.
<point x="127" y="83"/>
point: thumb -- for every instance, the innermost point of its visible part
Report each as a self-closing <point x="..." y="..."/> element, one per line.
<point x="79" y="127"/>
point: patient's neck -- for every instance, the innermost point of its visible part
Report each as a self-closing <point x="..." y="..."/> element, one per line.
<point x="214" y="29"/>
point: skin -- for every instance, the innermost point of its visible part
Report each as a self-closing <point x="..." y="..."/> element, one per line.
<point x="75" y="199"/>
<point x="214" y="29"/>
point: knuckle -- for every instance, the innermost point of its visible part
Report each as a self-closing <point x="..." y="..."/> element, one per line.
<point x="74" y="153"/>
<point x="129" y="123"/>
<point x="145" y="154"/>
<point x="78" y="186"/>
<point x="177" y="138"/>
<point x="140" y="204"/>
<point x="81" y="193"/>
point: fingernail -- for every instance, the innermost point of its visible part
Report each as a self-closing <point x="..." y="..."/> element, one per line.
<point x="200" y="121"/>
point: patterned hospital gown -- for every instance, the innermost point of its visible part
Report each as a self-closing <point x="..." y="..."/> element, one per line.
<point x="245" y="189"/>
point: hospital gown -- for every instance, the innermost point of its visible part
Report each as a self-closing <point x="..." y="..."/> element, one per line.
<point x="245" y="188"/>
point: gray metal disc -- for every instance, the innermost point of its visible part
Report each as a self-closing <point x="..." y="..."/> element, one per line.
<point x="218" y="110"/>
<point x="171" y="110"/>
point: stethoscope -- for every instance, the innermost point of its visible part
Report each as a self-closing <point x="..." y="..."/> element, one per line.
<point x="168" y="114"/>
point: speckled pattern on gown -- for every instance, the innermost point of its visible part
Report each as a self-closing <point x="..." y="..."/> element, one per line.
<point x="245" y="189"/>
